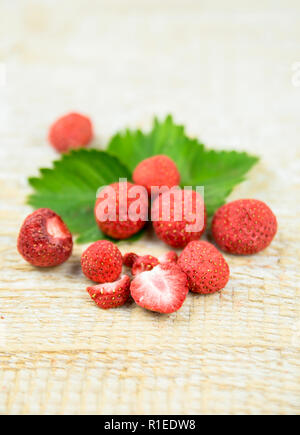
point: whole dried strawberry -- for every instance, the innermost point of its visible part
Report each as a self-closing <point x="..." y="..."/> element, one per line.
<point x="112" y="294"/>
<point x="44" y="239"/>
<point x="71" y="131"/>
<point x="243" y="227"/>
<point x="102" y="262"/>
<point x="162" y="289"/>
<point x="205" y="267"/>
<point x="156" y="171"/>
<point x="115" y="211"/>
<point x="179" y="217"/>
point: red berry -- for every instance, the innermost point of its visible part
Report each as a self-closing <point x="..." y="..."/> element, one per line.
<point x="129" y="259"/>
<point x="44" y="239"/>
<point x="139" y="264"/>
<point x="205" y="267"/>
<point x="162" y="289"/>
<point x="102" y="262"/>
<point x="185" y="207"/>
<point x="111" y="295"/>
<point x="116" y="213"/>
<point x="72" y="131"/>
<point x="243" y="227"/>
<point x="156" y="171"/>
<point x="169" y="257"/>
<point x="144" y="263"/>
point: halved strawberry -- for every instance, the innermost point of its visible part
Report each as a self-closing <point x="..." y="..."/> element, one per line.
<point x="162" y="289"/>
<point x="112" y="294"/>
<point x="144" y="263"/>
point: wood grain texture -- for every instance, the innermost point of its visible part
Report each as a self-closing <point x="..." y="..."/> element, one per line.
<point x="227" y="73"/>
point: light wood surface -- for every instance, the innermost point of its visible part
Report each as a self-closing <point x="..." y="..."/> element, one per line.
<point x="228" y="71"/>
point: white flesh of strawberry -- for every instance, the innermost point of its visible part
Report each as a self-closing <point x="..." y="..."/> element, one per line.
<point x="55" y="228"/>
<point x="159" y="290"/>
<point x="109" y="287"/>
<point x="166" y="258"/>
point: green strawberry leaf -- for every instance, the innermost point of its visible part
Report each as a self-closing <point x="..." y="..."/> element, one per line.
<point x="70" y="188"/>
<point x="218" y="171"/>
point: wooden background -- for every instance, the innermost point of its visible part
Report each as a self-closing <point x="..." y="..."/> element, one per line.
<point x="230" y="74"/>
